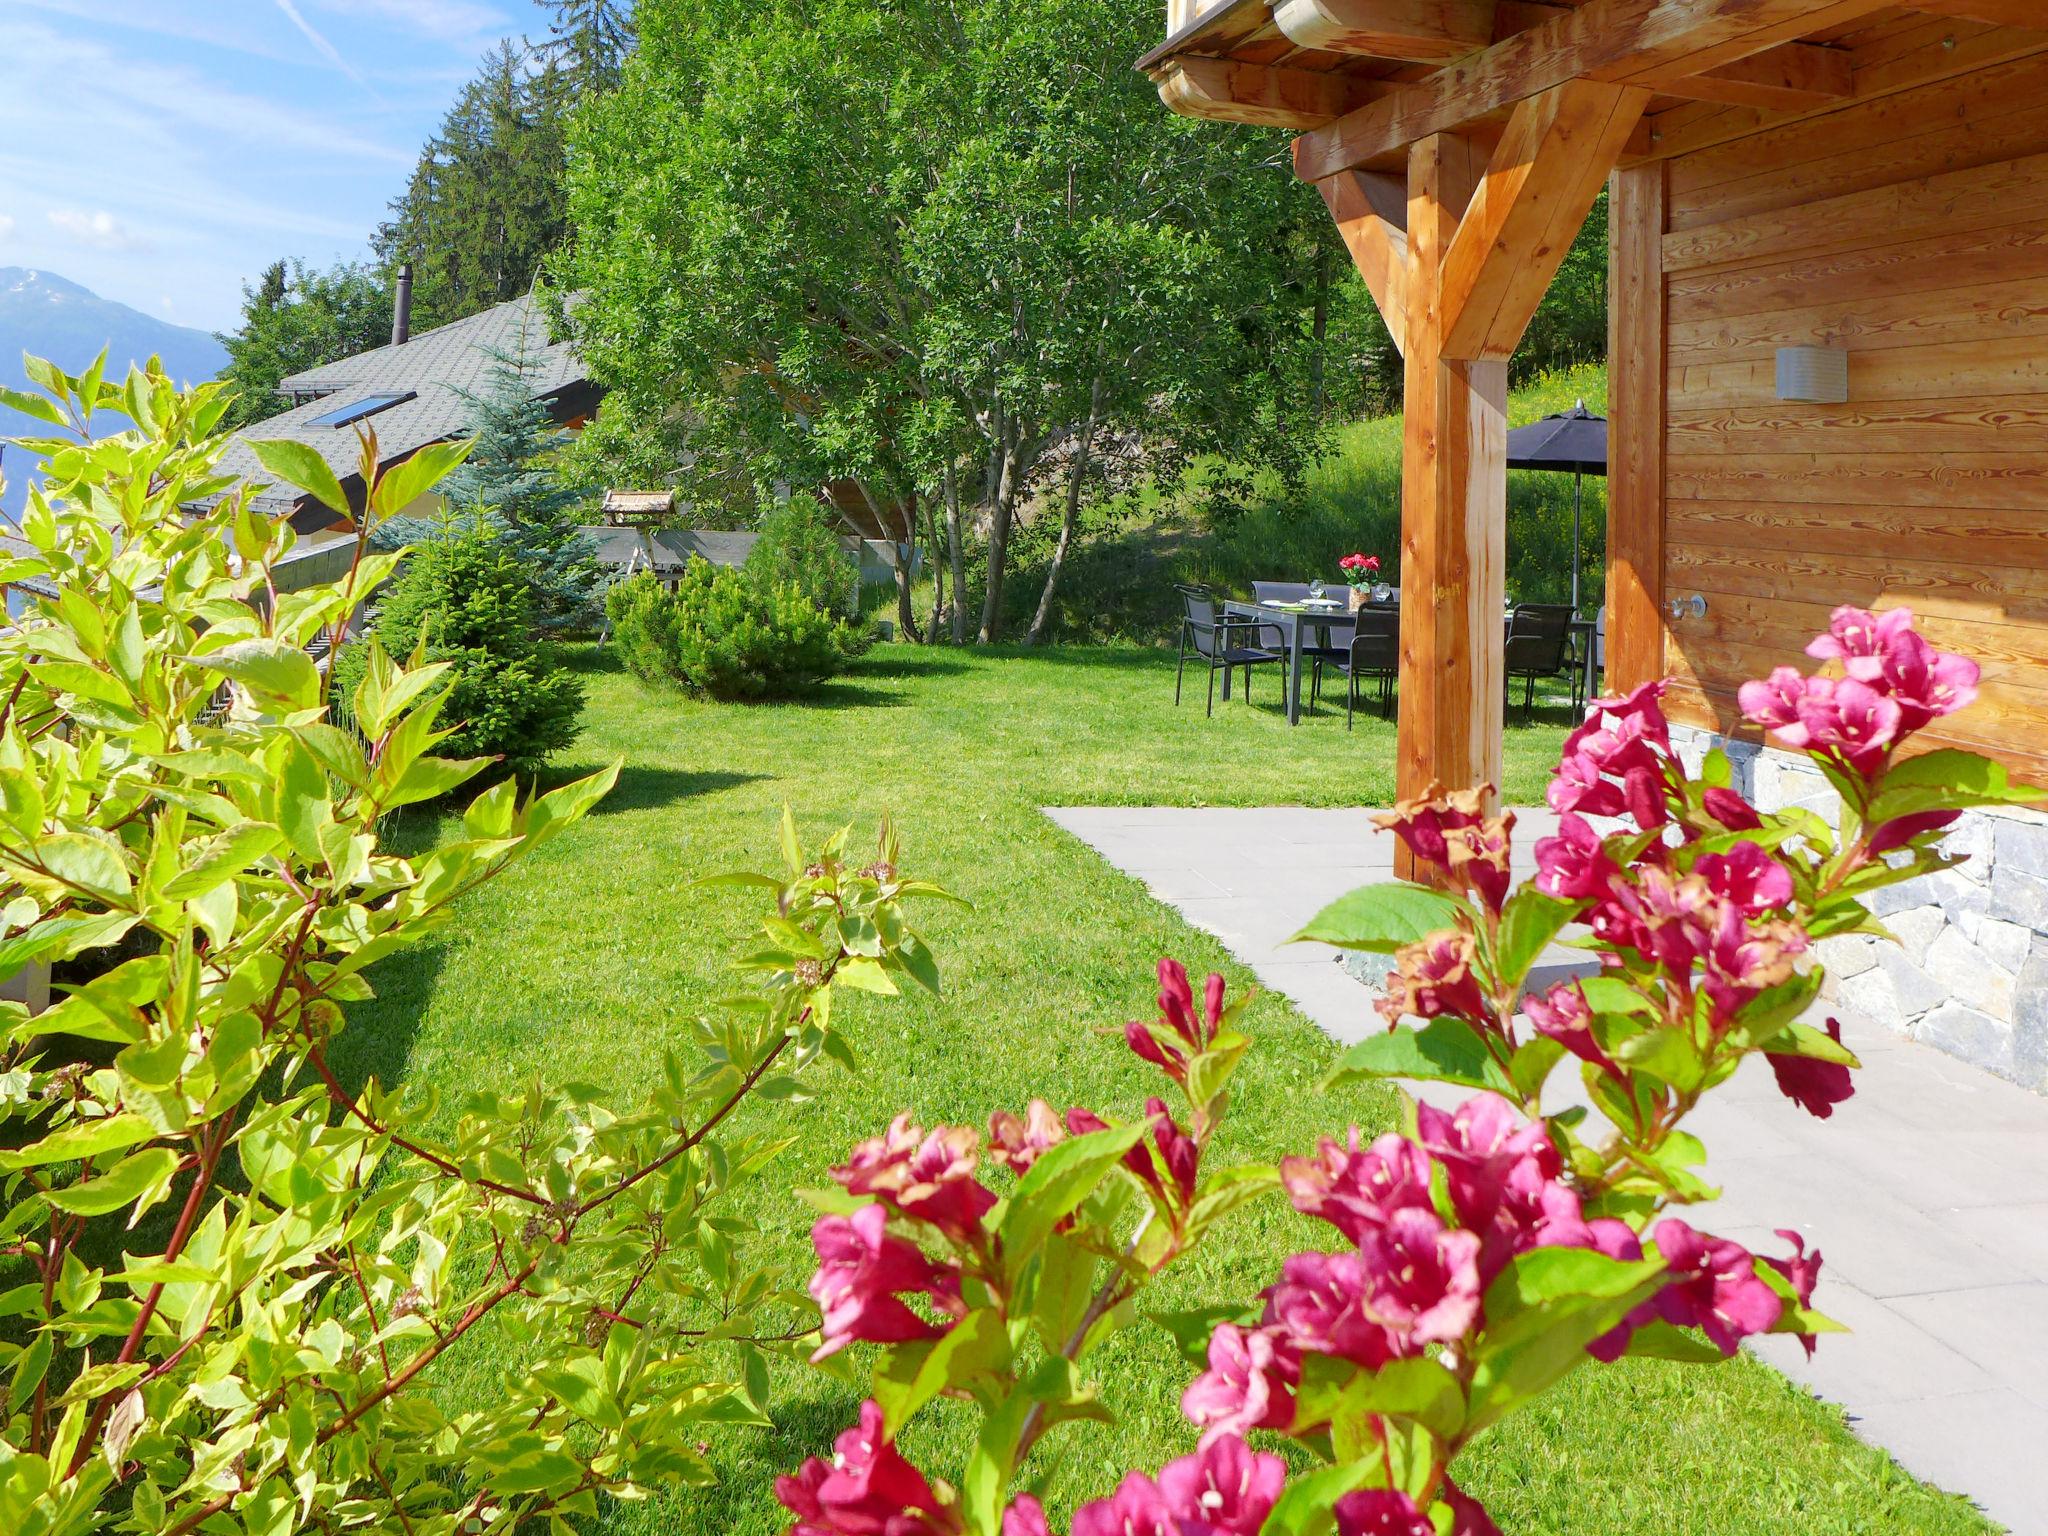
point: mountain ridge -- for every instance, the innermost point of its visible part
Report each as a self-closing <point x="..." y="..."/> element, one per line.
<point x="49" y="315"/>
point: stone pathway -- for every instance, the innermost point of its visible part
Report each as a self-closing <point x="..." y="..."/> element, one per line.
<point x="1927" y="1192"/>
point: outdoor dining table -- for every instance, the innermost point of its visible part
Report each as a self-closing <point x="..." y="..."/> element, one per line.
<point x="1332" y="624"/>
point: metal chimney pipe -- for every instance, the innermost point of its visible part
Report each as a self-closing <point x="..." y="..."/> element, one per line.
<point x="401" y="307"/>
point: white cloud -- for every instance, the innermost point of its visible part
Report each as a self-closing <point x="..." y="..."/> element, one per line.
<point x="6" y="226"/>
<point x="98" y="229"/>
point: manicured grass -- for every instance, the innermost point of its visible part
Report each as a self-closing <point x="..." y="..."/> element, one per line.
<point x="585" y="962"/>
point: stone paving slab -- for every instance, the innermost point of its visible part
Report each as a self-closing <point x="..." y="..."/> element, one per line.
<point x="1928" y="1191"/>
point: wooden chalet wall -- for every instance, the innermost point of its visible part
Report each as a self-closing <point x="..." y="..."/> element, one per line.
<point x="1913" y="230"/>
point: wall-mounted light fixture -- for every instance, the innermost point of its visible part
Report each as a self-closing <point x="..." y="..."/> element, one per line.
<point x="1813" y="375"/>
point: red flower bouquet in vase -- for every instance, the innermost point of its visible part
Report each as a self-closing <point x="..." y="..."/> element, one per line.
<point x="1362" y="572"/>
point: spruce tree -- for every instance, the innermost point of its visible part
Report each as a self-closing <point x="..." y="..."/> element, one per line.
<point x="509" y="487"/>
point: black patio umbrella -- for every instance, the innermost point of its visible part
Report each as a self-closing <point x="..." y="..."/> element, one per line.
<point x="1575" y="440"/>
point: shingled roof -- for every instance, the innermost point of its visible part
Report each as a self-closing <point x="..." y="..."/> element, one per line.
<point x="436" y="368"/>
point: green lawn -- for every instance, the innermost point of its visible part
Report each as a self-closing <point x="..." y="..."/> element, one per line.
<point x="584" y="962"/>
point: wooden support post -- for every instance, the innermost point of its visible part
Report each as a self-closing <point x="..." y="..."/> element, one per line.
<point x="1453" y="509"/>
<point x="1635" y="444"/>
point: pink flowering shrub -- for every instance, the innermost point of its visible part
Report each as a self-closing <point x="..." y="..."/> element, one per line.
<point x="1480" y="1253"/>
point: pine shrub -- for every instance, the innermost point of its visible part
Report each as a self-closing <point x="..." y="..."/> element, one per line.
<point x="724" y="633"/>
<point x="471" y="602"/>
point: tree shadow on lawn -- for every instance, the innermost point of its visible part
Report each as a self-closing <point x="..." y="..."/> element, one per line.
<point x="381" y="1030"/>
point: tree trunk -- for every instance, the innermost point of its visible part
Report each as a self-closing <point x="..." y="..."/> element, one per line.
<point x="999" y="540"/>
<point x="906" y="549"/>
<point x="1077" y="473"/>
<point x="955" y="555"/>
<point x="932" y="546"/>
<point x="1322" y="326"/>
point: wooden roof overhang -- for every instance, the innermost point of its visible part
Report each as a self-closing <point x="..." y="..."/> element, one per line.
<point x="1459" y="145"/>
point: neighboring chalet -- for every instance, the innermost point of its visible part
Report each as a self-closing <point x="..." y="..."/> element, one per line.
<point x="1829" y="233"/>
<point x="413" y="392"/>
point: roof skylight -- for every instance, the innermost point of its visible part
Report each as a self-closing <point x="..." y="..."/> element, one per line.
<point x="369" y="405"/>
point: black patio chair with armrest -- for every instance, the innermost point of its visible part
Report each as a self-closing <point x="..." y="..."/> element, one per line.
<point x="1538" y="646"/>
<point x="1374" y="653"/>
<point x="1219" y="641"/>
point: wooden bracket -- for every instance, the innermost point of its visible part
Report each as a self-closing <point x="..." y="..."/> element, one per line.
<point x="1371" y="211"/>
<point x="1543" y="178"/>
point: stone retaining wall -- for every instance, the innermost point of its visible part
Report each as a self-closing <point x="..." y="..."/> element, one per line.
<point x="1970" y="971"/>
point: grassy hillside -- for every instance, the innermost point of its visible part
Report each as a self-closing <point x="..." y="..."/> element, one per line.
<point x="1119" y="580"/>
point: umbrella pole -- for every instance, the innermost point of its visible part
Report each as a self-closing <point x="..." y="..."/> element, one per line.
<point x="1578" y="490"/>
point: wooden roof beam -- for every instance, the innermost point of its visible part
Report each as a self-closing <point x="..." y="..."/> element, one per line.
<point x="1371" y="211"/>
<point x="1266" y="96"/>
<point x="1423" y="31"/>
<point x="1538" y="187"/>
<point x="1997" y="13"/>
<point x="1623" y="42"/>
<point x="1789" y="76"/>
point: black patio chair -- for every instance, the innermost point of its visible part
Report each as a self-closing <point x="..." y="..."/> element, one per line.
<point x="1297" y="592"/>
<point x="1219" y="641"/>
<point x="1374" y="654"/>
<point x="1538" y="646"/>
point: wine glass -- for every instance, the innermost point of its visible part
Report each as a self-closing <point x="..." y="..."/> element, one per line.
<point x="1315" y="590"/>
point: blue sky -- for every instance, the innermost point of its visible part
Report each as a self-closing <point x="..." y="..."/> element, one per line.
<point x="161" y="152"/>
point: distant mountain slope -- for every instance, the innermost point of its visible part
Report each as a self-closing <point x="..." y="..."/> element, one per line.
<point x="54" y="317"/>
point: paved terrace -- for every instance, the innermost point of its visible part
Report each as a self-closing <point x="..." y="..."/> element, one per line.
<point x="1927" y="1192"/>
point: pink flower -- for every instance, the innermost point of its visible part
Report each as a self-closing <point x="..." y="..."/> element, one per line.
<point x="1413" y="1282"/>
<point x="1480" y="1145"/>
<point x="1225" y="1487"/>
<point x="1579" y="787"/>
<point x="1802" y="1270"/>
<point x="1137" y="1508"/>
<point x="867" y="1489"/>
<point x="1478" y="857"/>
<point x="1179" y="1032"/>
<point x="1424" y="822"/>
<point x="1815" y="1086"/>
<point x="1025" y="1517"/>
<point x="1714" y="1286"/>
<point x="1177" y="1156"/>
<point x="1016" y="1144"/>
<point x="1773" y="702"/>
<point x="1848" y="720"/>
<point x="1573" y="865"/>
<point x="861" y="1270"/>
<point x="1380" y="1512"/>
<point x="928" y="1178"/>
<point x="1564" y="1015"/>
<point x="1855" y="633"/>
<point x="1434" y="977"/>
<point x="1924" y="682"/>
<point x="1356" y="1190"/>
<point x="1901" y="830"/>
<point x="1249" y="1384"/>
<point x="1747" y="876"/>
<point x="1731" y="810"/>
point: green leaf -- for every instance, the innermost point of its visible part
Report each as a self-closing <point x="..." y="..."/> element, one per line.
<point x="1444" y="1050"/>
<point x="1948" y="779"/>
<point x="90" y="862"/>
<point x="1191" y="1329"/>
<point x="140" y="1181"/>
<point x="405" y="482"/>
<point x="987" y="1477"/>
<point x="1057" y="1184"/>
<point x="911" y="1375"/>
<point x="1382" y="918"/>
<point x="1420" y="1389"/>
<point x="1659" y="1340"/>
<point x="221" y="857"/>
<point x="1305" y="1508"/>
<point x="1805" y="1040"/>
<point x="41" y="407"/>
<point x="1528" y="923"/>
<point x="1542" y="1311"/>
<point x="1531" y="1065"/>
<point x="269" y="669"/>
<point x="1669" y="1054"/>
<point x="299" y="464"/>
<point x="87" y="1138"/>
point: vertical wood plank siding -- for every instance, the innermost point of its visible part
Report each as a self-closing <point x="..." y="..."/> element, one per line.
<point x="1912" y="230"/>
